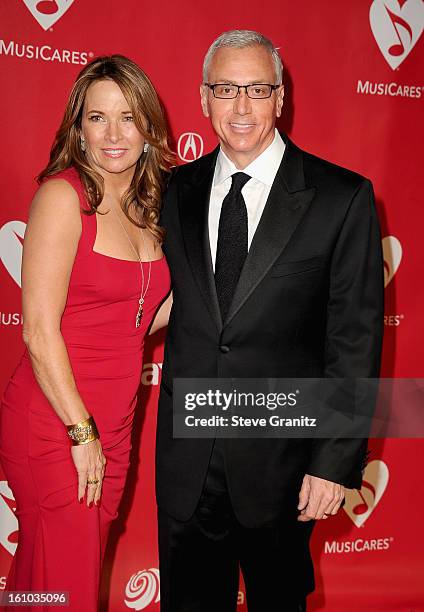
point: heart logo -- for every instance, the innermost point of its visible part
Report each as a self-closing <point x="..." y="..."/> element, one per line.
<point x="11" y="248"/>
<point x="359" y="505"/>
<point x="396" y="28"/>
<point x="392" y="255"/>
<point x="47" y="12"/>
<point x="8" y="520"/>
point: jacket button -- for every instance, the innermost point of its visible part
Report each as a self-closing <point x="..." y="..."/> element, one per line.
<point x="224" y="348"/>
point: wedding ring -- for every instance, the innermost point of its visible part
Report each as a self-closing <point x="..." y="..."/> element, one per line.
<point x="93" y="482"/>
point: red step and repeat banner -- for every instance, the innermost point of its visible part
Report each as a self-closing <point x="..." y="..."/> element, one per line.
<point x="354" y="95"/>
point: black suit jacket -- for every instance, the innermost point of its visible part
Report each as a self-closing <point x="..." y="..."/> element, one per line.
<point x="309" y="303"/>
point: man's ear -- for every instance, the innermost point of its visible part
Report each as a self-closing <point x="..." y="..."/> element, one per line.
<point x="280" y="100"/>
<point x="204" y="99"/>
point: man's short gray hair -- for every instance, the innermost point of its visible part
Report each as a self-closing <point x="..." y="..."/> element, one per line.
<point x="240" y="39"/>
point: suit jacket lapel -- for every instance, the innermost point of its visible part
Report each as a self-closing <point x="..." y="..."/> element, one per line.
<point x="287" y="203"/>
<point x="193" y="210"/>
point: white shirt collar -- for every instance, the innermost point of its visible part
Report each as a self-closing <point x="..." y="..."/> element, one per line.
<point x="263" y="168"/>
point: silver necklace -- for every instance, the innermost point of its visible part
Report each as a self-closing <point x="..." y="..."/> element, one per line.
<point x="143" y="291"/>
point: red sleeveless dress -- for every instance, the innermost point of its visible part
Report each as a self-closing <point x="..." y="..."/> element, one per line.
<point x="62" y="542"/>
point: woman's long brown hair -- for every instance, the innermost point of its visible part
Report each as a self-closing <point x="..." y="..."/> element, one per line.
<point x="141" y="202"/>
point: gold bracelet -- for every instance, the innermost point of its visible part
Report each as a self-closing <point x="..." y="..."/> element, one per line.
<point x="83" y="432"/>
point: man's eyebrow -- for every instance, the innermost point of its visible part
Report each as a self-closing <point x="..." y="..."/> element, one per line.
<point x="253" y="82"/>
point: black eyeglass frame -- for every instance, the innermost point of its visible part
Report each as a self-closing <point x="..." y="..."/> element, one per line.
<point x="213" y="85"/>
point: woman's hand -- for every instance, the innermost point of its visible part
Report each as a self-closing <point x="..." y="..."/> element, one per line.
<point x="90" y="464"/>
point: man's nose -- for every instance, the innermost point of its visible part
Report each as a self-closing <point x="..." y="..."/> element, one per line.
<point x="242" y="104"/>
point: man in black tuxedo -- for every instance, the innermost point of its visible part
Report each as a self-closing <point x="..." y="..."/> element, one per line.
<point x="276" y="266"/>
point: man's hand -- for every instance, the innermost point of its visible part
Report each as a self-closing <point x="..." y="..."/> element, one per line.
<point x="319" y="498"/>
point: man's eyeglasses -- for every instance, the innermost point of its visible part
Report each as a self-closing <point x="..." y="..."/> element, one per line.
<point x="257" y="91"/>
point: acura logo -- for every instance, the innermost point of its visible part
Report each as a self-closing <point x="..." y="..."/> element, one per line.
<point x="190" y="146"/>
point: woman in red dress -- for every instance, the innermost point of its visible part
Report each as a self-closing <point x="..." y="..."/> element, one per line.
<point x="94" y="282"/>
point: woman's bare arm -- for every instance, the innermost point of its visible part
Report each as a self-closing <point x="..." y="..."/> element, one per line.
<point x="50" y="246"/>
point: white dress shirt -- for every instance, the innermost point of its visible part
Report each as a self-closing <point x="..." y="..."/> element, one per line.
<point x="255" y="193"/>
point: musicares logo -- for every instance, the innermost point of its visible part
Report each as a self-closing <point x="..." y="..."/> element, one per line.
<point x="48" y="12"/>
<point x="392" y="255"/>
<point x="359" y="504"/>
<point x="397" y="27"/>
<point x="11" y="236"/>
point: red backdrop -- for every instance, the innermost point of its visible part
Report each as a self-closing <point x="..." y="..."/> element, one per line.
<point x="354" y="95"/>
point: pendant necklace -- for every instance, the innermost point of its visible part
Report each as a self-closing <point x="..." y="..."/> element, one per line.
<point x="143" y="291"/>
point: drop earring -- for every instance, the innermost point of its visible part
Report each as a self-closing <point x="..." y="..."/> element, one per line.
<point x="146" y="147"/>
<point x="83" y="145"/>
